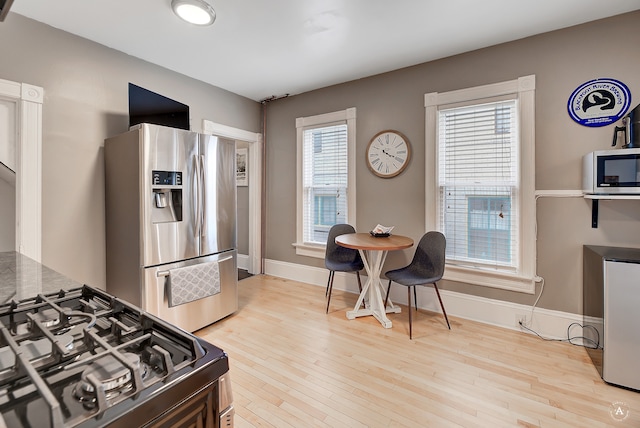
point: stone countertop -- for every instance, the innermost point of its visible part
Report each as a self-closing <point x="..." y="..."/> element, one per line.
<point x="23" y="278"/>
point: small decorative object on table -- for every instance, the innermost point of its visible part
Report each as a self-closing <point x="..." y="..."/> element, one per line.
<point x="381" y="231"/>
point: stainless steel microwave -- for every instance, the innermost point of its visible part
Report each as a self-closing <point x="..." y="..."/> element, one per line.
<point x="611" y="172"/>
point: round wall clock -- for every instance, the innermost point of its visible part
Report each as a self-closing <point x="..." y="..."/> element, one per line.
<point x="388" y="153"/>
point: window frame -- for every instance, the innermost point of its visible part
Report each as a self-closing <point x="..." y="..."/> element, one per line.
<point x="348" y="117"/>
<point x="524" y="277"/>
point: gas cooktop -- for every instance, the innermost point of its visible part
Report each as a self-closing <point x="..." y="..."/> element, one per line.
<point x="85" y="358"/>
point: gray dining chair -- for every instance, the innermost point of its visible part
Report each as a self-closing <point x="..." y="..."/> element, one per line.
<point x="340" y="259"/>
<point x="427" y="267"/>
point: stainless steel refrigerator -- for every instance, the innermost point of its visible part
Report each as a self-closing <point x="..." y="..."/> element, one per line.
<point x="171" y="223"/>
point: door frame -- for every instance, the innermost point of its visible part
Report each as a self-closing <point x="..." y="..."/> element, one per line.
<point x="255" y="188"/>
<point x="28" y="100"/>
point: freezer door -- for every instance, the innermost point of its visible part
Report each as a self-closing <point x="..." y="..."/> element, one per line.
<point x="218" y="157"/>
<point x="194" y="314"/>
<point x="169" y="194"/>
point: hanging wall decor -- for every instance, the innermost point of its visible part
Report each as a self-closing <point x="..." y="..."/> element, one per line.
<point x="599" y="102"/>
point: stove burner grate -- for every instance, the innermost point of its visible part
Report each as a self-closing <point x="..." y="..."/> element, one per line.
<point x="108" y="375"/>
<point x="76" y="353"/>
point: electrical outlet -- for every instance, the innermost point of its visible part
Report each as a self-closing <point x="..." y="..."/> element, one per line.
<point x="522" y="319"/>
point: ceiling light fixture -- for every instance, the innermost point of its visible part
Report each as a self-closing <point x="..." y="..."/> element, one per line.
<point x="197" y="12"/>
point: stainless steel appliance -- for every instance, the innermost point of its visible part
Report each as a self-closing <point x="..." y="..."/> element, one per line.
<point x="171" y="223"/>
<point x="631" y="129"/>
<point x="615" y="172"/>
<point x="611" y="295"/>
<point x="83" y="358"/>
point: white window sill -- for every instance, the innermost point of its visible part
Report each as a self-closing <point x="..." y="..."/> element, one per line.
<point x="310" y="250"/>
<point x="487" y="278"/>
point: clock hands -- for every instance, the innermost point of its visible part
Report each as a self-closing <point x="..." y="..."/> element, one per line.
<point x="394" y="157"/>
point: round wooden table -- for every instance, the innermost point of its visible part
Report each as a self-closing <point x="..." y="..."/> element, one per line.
<point x="373" y="251"/>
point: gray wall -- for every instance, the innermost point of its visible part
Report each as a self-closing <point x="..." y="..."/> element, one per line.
<point x="561" y="61"/>
<point x="86" y="100"/>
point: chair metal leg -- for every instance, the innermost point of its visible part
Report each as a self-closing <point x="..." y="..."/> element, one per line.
<point x="435" y="287"/>
<point x="330" y="287"/>
<point x="326" y="292"/>
<point x="415" y="297"/>
<point x="409" y="302"/>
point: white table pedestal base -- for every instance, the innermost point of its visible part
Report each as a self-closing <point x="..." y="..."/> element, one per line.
<point x="373" y="291"/>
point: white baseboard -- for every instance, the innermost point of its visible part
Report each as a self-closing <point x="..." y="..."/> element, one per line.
<point x="547" y="323"/>
<point x="243" y="261"/>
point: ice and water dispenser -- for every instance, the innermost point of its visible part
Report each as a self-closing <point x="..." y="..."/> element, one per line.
<point x="166" y="205"/>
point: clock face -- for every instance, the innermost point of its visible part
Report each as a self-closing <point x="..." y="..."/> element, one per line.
<point x="388" y="154"/>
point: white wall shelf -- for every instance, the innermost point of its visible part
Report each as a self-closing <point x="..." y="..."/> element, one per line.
<point x="611" y="197"/>
<point x="595" y="203"/>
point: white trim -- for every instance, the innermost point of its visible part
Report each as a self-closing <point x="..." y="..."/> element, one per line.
<point x="243" y="262"/>
<point x="319" y="119"/>
<point x="524" y="280"/>
<point x="255" y="185"/>
<point x="351" y="188"/>
<point x="490" y="278"/>
<point x="528" y="256"/>
<point x="611" y="197"/>
<point x="309" y="250"/>
<point x="348" y="115"/>
<point x="28" y="99"/>
<point x="475" y="93"/>
<point x="209" y="127"/>
<point x="547" y="323"/>
<point x="559" y="194"/>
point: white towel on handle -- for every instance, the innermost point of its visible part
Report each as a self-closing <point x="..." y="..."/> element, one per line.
<point x="193" y="283"/>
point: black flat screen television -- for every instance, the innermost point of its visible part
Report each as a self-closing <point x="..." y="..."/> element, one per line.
<point x="146" y="106"/>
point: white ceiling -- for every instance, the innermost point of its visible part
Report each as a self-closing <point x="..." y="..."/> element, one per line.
<point x="260" y="48"/>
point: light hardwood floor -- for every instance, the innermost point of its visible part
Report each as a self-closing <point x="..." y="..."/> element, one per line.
<point x="292" y="365"/>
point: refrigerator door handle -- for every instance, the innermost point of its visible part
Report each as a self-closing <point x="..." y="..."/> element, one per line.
<point x="203" y="198"/>
<point x="197" y="198"/>
<point x="165" y="273"/>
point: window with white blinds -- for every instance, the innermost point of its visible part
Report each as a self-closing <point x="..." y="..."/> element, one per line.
<point x="326" y="178"/>
<point x="478" y="184"/>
